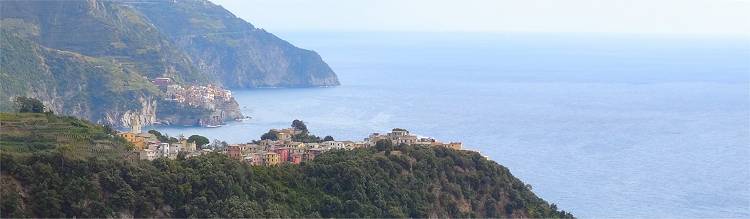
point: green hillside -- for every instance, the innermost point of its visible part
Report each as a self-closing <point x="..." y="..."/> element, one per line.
<point x="69" y="83"/>
<point x="63" y="167"/>
<point x="421" y="182"/>
<point x="25" y="134"/>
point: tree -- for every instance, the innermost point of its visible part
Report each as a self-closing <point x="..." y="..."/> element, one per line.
<point x="198" y="140"/>
<point x="159" y="136"/>
<point x="299" y="125"/>
<point x="384" y="144"/>
<point x="109" y="130"/>
<point x="270" y="135"/>
<point x="155" y="133"/>
<point x="29" y="105"/>
<point x="328" y="138"/>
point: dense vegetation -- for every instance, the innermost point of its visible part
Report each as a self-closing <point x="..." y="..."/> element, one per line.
<point x="415" y="182"/>
<point x="402" y="181"/>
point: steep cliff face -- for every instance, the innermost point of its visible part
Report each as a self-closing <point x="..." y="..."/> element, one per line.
<point x="171" y="113"/>
<point x="94" y="59"/>
<point x="145" y="115"/>
<point x="240" y="55"/>
<point x="73" y="84"/>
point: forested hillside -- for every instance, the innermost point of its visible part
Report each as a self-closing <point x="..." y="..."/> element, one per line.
<point x="401" y="181"/>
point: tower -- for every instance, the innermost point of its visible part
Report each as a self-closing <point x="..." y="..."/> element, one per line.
<point x="135" y="125"/>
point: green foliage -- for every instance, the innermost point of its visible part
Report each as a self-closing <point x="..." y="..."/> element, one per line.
<point x="328" y="138"/>
<point x="306" y="138"/>
<point x="163" y="137"/>
<point x="299" y="125"/>
<point x="199" y="140"/>
<point x="29" y="105"/>
<point x="384" y="145"/>
<point x="410" y="182"/>
<point x="270" y="135"/>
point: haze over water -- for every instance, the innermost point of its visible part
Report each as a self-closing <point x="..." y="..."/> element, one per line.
<point x="603" y="126"/>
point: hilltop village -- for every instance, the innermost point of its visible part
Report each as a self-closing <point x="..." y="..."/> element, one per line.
<point x="290" y="145"/>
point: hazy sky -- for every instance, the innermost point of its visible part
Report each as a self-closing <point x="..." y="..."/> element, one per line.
<point x="713" y="17"/>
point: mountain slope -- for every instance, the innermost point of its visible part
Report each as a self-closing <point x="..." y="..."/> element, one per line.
<point x="73" y="84"/>
<point x="105" y="29"/>
<point x="239" y="54"/>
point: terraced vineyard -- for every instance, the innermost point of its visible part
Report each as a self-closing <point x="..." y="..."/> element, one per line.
<point x="31" y="132"/>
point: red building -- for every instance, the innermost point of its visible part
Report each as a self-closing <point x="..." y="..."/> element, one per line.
<point x="234" y="152"/>
<point x="283" y="154"/>
<point x="296" y="158"/>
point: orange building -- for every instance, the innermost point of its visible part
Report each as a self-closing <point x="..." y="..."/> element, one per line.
<point x="138" y="141"/>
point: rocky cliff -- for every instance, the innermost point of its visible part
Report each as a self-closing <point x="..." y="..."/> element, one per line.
<point x="237" y="53"/>
<point x="95" y="59"/>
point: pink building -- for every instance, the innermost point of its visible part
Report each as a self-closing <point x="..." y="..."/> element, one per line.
<point x="283" y="153"/>
<point x="234" y="152"/>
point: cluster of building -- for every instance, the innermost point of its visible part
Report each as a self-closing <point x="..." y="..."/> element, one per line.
<point x="149" y="147"/>
<point x="271" y="152"/>
<point x="284" y="150"/>
<point x="200" y="96"/>
<point x="400" y="136"/>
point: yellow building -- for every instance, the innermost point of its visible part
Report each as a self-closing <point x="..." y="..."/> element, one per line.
<point x="272" y="159"/>
<point x="283" y="136"/>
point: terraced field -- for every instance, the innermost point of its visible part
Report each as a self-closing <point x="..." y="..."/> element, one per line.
<point x="31" y="132"/>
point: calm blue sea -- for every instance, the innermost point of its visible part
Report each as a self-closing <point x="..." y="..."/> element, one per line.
<point x="601" y="125"/>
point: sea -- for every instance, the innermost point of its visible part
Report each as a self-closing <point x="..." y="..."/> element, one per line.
<point x="603" y="125"/>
